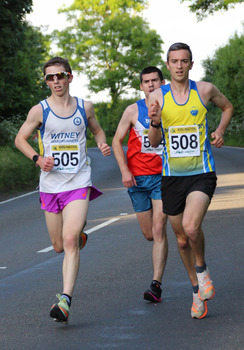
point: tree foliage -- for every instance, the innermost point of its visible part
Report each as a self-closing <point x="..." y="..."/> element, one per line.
<point x="109" y="118"/>
<point x="110" y="42"/>
<point x="22" y="51"/>
<point x="226" y="71"/>
<point x="203" y="8"/>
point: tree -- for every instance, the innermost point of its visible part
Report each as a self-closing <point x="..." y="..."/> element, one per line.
<point x="110" y="42"/>
<point x="203" y="8"/>
<point x="226" y="71"/>
<point x="11" y="36"/>
<point x="22" y="51"/>
<point x="26" y="86"/>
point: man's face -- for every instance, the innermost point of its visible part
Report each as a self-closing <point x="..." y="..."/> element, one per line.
<point x="179" y="65"/>
<point x="150" y="82"/>
<point x="58" y="83"/>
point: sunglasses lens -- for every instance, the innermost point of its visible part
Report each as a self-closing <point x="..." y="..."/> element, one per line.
<point x="49" y="77"/>
<point x="60" y="75"/>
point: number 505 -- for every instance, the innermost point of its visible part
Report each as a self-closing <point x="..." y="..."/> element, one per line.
<point x="65" y="158"/>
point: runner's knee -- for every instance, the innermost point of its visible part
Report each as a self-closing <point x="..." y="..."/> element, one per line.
<point x="148" y="236"/>
<point x="191" y="230"/>
<point x="70" y="242"/>
<point x="58" y="248"/>
<point x="183" y="243"/>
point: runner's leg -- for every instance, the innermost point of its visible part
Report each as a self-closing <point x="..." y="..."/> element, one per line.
<point x="160" y="242"/>
<point x="184" y="247"/>
<point x="196" y="206"/>
<point x="54" y="224"/>
<point x="74" y="216"/>
<point x="145" y="219"/>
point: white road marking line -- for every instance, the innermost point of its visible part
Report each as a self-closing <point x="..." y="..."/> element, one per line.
<point x="23" y="195"/>
<point x="45" y="250"/>
<point x="95" y="228"/>
<point x="3" y="267"/>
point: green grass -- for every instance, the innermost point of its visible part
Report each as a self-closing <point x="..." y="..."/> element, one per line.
<point x="92" y="143"/>
<point x="234" y="142"/>
<point x="17" y="172"/>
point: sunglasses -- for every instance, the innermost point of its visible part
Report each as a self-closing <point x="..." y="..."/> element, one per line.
<point x="59" y="75"/>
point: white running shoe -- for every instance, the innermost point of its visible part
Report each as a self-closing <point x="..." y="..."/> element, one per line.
<point x="199" y="308"/>
<point x="206" y="289"/>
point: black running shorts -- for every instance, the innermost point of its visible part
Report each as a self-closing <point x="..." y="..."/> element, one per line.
<point x="175" y="189"/>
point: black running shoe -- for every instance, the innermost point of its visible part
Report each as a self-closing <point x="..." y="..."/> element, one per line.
<point x="60" y="311"/>
<point x="153" y="293"/>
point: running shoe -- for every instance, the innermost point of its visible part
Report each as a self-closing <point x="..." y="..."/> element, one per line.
<point x="60" y="311"/>
<point x="199" y="307"/>
<point x="153" y="293"/>
<point x="83" y="238"/>
<point x="206" y="289"/>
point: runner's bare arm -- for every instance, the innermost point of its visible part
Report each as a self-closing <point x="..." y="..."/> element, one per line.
<point x="127" y="120"/>
<point x="154" y="113"/>
<point x="33" y="120"/>
<point x="96" y="129"/>
<point x="210" y="92"/>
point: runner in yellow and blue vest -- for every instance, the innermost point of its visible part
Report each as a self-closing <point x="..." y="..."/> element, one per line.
<point x="187" y="150"/>
<point x="179" y="110"/>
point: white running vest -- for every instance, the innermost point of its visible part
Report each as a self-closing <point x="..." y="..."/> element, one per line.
<point x="65" y="140"/>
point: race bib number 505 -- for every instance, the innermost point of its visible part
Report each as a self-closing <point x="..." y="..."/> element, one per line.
<point x="66" y="157"/>
<point x="184" y="141"/>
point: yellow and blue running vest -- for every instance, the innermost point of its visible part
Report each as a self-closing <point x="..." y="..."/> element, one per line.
<point x="187" y="149"/>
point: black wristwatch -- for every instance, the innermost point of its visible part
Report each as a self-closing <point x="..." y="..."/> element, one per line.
<point x="35" y="158"/>
<point x="155" y="126"/>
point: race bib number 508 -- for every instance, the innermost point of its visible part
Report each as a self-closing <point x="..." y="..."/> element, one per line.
<point x="184" y="141"/>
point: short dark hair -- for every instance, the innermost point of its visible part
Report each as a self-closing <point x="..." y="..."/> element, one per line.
<point x="57" y="61"/>
<point x="151" y="69"/>
<point x="179" y="46"/>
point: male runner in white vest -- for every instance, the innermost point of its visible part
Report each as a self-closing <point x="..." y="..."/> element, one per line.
<point x="65" y="180"/>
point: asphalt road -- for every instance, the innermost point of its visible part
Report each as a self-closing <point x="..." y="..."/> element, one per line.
<point x="108" y="311"/>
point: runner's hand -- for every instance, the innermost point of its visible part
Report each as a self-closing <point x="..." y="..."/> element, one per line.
<point x="218" y="140"/>
<point x="128" y="179"/>
<point x="46" y="164"/>
<point x="104" y="148"/>
<point x="154" y="112"/>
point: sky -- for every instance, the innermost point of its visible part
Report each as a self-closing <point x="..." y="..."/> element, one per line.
<point x="171" y="19"/>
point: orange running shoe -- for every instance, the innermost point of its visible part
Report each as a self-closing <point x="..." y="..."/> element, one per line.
<point x="199" y="308"/>
<point x="206" y="289"/>
<point x="82" y="240"/>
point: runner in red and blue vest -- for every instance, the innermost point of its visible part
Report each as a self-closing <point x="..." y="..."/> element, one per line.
<point x="141" y="174"/>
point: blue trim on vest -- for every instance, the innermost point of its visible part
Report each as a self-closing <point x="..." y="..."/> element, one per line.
<point x="143" y="114"/>
<point x="46" y="109"/>
<point x="81" y="108"/>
